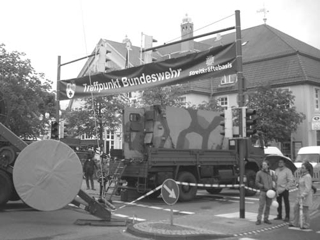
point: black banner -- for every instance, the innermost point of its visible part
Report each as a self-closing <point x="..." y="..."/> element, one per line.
<point x="214" y="62"/>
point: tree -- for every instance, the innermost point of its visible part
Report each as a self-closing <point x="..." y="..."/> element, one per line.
<point x="96" y="114"/>
<point x="167" y="96"/>
<point x="277" y="115"/>
<point x="211" y="105"/>
<point x="26" y="93"/>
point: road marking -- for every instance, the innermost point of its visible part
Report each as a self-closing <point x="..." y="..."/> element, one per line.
<point x="156" y="208"/>
<point x="252" y="217"/>
<point x="228" y="200"/>
<point x="313" y="213"/>
<point x="299" y="229"/>
<point x="247" y="198"/>
<point x="125" y="216"/>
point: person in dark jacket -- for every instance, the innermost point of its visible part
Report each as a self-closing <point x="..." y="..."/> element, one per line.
<point x="264" y="181"/>
<point x="89" y="167"/>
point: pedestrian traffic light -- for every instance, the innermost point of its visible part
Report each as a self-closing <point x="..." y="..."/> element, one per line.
<point x="249" y="121"/>
<point x="223" y="123"/>
<point x="54" y="130"/>
<point x="226" y="123"/>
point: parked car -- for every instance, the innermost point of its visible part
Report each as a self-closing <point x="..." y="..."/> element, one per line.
<point x="312" y="155"/>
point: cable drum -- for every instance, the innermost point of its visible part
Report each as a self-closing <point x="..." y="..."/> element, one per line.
<point x="47" y="175"/>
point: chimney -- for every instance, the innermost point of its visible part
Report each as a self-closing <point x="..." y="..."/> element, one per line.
<point x="187" y="32"/>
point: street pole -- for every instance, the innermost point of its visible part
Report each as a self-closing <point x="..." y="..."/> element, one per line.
<point x="57" y="98"/>
<point x="241" y="104"/>
<point x="58" y="79"/>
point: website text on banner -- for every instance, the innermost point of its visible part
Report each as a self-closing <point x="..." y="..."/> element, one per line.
<point x="214" y="62"/>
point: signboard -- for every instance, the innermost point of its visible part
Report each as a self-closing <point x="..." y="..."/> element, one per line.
<point x="170" y="192"/>
<point x="214" y="62"/>
<point x="315" y="124"/>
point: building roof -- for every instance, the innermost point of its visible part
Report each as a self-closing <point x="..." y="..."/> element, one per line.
<point x="268" y="55"/>
<point x="264" y="41"/>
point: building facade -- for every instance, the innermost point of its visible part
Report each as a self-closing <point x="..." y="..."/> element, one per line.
<point x="268" y="55"/>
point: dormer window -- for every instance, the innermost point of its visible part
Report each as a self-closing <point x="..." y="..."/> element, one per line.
<point x="229" y="79"/>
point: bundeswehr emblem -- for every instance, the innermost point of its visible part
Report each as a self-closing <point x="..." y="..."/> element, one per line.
<point x="210" y="60"/>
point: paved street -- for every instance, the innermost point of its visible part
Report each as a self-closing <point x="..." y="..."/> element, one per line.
<point x="218" y="213"/>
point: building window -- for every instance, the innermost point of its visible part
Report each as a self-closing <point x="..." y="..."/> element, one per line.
<point x="316" y="97"/>
<point x="228" y="79"/>
<point x="223" y="102"/>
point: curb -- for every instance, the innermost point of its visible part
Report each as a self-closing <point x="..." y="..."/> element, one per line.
<point x="185" y="234"/>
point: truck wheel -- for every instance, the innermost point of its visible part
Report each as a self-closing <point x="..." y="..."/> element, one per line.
<point x="214" y="190"/>
<point x="187" y="193"/>
<point x="8" y="153"/>
<point x="6" y="188"/>
<point x="155" y="194"/>
<point x="251" y="182"/>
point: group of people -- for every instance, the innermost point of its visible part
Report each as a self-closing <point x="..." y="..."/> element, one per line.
<point x="281" y="181"/>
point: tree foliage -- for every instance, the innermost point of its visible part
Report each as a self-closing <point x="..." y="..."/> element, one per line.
<point x="277" y="115"/>
<point x="167" y="96"/>
<point x="26" y="94"/>
<point x="95" y="115"/>
<point x="211" y="105"/>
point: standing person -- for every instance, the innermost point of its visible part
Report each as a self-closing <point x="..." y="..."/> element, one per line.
<point x="88" y="168"/>
<point x="264" y="181"/>
<point x="284" y="182"/>
<point x="305" y="194"/>
<point x="311" y="174"/>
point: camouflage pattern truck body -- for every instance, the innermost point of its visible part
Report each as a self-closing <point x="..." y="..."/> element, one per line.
<point x="183" y="144"/>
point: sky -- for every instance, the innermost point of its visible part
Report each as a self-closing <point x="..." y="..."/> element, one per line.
<point x="46" y="29"/>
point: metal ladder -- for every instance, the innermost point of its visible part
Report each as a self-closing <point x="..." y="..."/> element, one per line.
<point x="115" y="179"/>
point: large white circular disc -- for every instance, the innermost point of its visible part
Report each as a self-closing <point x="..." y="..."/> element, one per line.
<point x="47" y="175"/>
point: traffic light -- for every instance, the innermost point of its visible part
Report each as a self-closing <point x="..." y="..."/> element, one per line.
<point x="64" y="129"/>
<point x="249" y="121"/>
<point x="223" y="123"/>
<point x="226" y="123"/>
<point x="54" y="130"/>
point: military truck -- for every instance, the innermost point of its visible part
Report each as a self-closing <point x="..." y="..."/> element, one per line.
<point x="161" y="142"/>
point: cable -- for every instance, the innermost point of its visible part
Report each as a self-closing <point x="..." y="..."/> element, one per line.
<point x="92" y="101"/>
<point x="201" y="28"/>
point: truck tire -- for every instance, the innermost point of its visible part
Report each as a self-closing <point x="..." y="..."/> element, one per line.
<point x="187" y="193"/>
<point x="8" y="153"/>
<point x="155" y="194"/>
<point x="6" y="188"/>
<point x="251" y="182"/>
<point x="214" y="190"/>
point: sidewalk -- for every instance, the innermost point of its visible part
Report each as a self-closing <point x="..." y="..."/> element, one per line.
<point x="211" y="224"/>
<point x="207" y="224"/>
<point x="203" y="225"/>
